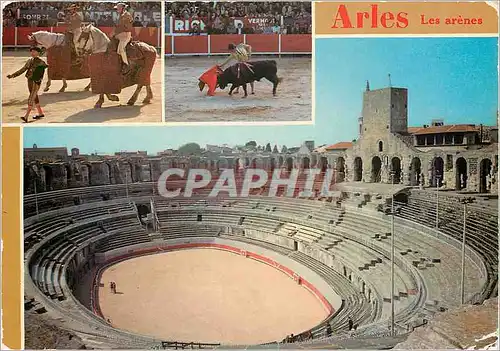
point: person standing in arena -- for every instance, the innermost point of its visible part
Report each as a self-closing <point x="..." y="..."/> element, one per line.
<point x="35" y="69"/>
<point x="74" y="21"/>
<point x="241" y="53"/>
<point x="123" y="32"/>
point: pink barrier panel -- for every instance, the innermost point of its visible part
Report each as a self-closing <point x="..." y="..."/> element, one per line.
<point x="191" y="44"/>
<point x="9" y="36"/>
<point x="168" y="44"/>
<point x="147" y="35"/>
<point x="61" y="29"/>
<point x="296" y="43"/>
<point x="263" y="42"/>
<point x="219" y="43"/>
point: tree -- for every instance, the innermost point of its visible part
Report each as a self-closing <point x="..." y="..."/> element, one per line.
<point x="268" y="147"/>
<point x="284" y="149"/>
<point x="275" y="150"/>
<point x="189" y="149"/>
<point x="252" y="144"/>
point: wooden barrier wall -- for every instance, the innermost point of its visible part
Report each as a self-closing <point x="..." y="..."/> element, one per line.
<point x="217" y="44"/>
<point x="18" y="36"/>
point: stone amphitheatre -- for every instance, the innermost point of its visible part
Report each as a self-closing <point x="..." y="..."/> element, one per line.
<point x="89" y="220"/>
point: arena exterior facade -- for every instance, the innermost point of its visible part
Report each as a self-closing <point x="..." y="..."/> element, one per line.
<point x="459" y="157"/>
<point x="456" y="157"/>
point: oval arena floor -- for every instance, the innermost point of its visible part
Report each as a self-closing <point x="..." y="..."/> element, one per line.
<point x="206" y="295"/>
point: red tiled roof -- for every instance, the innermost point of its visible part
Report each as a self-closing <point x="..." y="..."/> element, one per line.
<point x="340" y="146"/>
<point x="453" y="128"/>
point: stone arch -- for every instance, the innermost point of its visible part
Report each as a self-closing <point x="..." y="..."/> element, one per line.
<point x="222" y="163"/>
<point x="313" y="163"/>
<point x="376" y="176"/>
<point x="461" y="174"/>
<point x="306" y="163"/>
<point x="48" y="177"/>
<point x="151" y="174"/>
<point x="323" y="164"/>
<point x="415" y="171"/>
<point x="358" y="169"/>
<point x="28" y="180"/>
<point x="272" y="164"/>
<point x="69" y="172"/>
<point x="129" y="173"/>
<point x="340" y="169"/>
<point x="254" y="164"/>
<point x="396" y="170"/>
<point x="485" y="168"/>
<point x="401" y="197"/>
<point x="89" y="173"/>
<point x="437" y="171"/>
<point x="380" y="146"/>
<point x="77" y="174"/>
<point x="107" y="171"/>
<point x="280" y="161"/>
<point x="247" y="162"/>
<point x="289" y="164"/>
<point x="194" y="162"/>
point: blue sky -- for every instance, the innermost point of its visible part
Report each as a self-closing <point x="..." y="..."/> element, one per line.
<point x="450" y="78"/>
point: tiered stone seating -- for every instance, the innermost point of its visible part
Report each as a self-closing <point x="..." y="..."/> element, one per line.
<point x="188" y="230"/>
<point x="123" y="234"/>
<point x="279" y="249"/>
<point x="49" y="222"/>
<point x="260" y="223"/>
<point x="46" y="270"/>
<point x="437" y="260"/>
<point x="481" y="224"/>
<point x="357" y="238"/>
<point x="355" y="305"/>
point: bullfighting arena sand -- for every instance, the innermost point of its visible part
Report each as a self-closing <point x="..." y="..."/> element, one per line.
<point x="75" y="105"/>
<point x="185" y="102"/>
<point x="206" y="295"/>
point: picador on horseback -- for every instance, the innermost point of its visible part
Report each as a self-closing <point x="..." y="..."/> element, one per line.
<point x="241" y="53"/>
<point x="123" y="33"/>
<point x="73" y="20"/>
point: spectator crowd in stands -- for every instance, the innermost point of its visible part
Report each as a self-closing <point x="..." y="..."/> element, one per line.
<point x="10" y="13"/>
<point x="282" y="17"/>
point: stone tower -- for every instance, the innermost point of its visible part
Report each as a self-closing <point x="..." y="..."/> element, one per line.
<point x="385" y="110"/>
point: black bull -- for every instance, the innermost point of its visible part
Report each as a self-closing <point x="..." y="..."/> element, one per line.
<point x="241" y="74"/>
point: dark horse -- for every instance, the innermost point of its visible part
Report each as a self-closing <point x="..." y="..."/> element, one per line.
<point x="241" y="74"/>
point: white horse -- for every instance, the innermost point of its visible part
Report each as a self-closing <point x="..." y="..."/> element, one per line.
<point x="48" y="40"/>
<point x="94" y="41"/>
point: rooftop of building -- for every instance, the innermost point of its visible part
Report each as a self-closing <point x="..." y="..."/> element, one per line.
<point x="442" y="129"/>
<point x="343" y="145"/>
